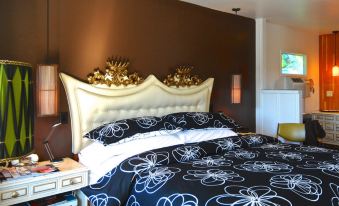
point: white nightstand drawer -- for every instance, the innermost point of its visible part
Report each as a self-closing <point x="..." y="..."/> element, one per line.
<point x="45" y="186"/>
<point x="71" y="181"/>
<point x="14" y="193"/>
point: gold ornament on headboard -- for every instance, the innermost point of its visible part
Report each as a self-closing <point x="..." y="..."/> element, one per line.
<point x="115" y="73"/>
<point x="182" y="78"/>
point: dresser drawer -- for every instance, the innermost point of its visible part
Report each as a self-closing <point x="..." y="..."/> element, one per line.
<point x="319" y="117"/>
<point x="330" y="136"/>
<point x="45" y="186"/>
<point x="322" y="123"/>
<point x="329" y="126"/>
<point x="329" y="118"/>
<point x="72" y="181"/>
<point x="13" y="193"/>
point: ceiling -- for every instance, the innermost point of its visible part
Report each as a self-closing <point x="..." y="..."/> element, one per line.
<point x="320" y="16"/>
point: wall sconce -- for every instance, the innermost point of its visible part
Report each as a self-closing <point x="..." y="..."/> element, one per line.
<point x="335" y="71"/>
<point x="47" y="90"/>
<point x="335" y="68"/>
<point x="236" y="89"/>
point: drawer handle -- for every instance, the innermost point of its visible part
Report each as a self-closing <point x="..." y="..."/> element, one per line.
<point x="15" y="194"/>
<point x="73" y="182"/>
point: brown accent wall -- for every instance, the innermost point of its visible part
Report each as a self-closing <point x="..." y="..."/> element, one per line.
<point x="156" y="36"/>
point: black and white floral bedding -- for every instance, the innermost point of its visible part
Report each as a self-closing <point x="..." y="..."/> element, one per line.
<point x="251" y="170"/>
<point x="143" y="127"/>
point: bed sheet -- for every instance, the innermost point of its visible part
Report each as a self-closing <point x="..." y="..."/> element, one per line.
<point x="100" y="159"/>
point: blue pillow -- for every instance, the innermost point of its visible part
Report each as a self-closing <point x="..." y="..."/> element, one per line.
<point x="118" y="130"/>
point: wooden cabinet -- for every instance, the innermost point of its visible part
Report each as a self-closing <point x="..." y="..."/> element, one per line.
<point x="329" y="85"/>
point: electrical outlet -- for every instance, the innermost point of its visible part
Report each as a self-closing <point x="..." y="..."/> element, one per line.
<point x="329" y="93"/>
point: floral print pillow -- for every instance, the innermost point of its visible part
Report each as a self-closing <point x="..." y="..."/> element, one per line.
<point x="116" y="131"/>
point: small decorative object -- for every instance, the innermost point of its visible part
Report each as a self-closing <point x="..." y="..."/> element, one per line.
<point x="182" y="78"/>
<point x="16" y="110"/>
<point x="236" y="89"/>
<point x="34" y="158"/>
<point x="236" y="10"/>
<point x="116" y="73"/>
<point x="15" y="162"/>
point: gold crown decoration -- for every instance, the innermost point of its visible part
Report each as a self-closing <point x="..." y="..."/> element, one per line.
<point x="182" y="78"/>
<point x="116" y="73"/>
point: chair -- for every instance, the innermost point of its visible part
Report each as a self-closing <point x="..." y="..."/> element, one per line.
<point x="293" y="133"/>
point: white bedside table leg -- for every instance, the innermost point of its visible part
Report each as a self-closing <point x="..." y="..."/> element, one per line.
<point x="82" y="198"/>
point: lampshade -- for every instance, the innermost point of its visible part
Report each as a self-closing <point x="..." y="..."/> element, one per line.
<point x="47" y="90"/>
<point x="236" y="89"/>
<point x="16" y="109"/>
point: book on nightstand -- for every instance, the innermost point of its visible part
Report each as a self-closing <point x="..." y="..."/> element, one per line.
<point x="14" y="173"/>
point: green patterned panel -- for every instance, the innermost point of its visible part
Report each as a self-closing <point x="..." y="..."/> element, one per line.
<point x="16" y="112"/>
<point x="17" y="91"/>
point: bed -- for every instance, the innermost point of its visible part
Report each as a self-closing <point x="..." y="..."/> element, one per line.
<point x="152" y="144"/>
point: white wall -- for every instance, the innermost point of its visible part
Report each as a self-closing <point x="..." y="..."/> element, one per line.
<point x="283" y="38"/>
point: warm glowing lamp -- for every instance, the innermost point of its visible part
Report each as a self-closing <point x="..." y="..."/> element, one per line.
<point x="47" y="90"/>
<point x="335" y="68"/>
<point x="335" y="71"/>
<point x="236" y="89"/>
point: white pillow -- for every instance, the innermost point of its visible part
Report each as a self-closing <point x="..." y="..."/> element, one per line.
<point x="199" y="135"/>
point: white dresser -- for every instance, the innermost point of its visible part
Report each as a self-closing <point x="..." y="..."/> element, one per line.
<point x="330" y="122"/>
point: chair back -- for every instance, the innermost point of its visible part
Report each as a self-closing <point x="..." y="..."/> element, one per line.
<point x="294" y="132"/>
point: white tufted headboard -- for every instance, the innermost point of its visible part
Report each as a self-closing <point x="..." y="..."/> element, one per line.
<point x="91" y="106"/>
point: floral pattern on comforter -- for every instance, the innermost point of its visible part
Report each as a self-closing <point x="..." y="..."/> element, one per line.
<point x="240" y="170"/>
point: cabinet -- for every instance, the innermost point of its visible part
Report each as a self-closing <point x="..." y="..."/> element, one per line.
<point x="279" y="106"/>
<point x="328" y="84"/>
<point x="330" y="123"/>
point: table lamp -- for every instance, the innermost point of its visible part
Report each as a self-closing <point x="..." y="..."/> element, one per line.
<point x="16" y="110"/>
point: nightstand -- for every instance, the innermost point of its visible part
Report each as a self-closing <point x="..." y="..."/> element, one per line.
<point x="71" y="177"/>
